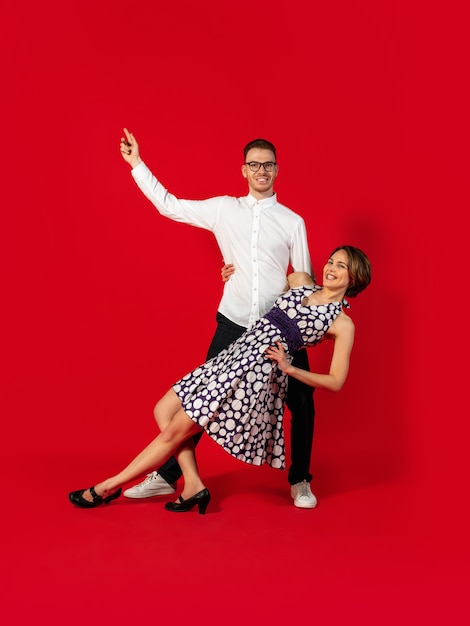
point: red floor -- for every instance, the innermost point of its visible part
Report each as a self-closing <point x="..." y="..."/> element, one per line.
<point x="365" y="555"/>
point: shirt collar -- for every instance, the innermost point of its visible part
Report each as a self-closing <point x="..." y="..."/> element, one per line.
<point x="263" y="204"/>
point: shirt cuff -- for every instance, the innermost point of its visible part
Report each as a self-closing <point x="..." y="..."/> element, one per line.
<point x="139" y="171"/>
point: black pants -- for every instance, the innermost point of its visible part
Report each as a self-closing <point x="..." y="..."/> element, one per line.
<point x="299" y="400"/>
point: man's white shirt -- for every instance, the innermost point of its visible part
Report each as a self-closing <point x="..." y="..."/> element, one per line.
<point x="260" y="237"/>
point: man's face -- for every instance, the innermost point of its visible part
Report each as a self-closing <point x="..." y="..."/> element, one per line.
<point x="261" y="182"/>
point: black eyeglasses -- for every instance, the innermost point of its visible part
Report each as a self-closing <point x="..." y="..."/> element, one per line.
<point x="255" y="165"/>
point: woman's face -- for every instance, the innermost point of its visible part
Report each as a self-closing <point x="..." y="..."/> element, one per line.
<point x="336" y="271"/>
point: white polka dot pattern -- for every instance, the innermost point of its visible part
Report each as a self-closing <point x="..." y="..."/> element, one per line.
<point x="238" y="396"/>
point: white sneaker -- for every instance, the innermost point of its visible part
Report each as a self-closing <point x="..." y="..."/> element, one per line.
<point x="302" y="495"/>
<point x="153" y="485"/>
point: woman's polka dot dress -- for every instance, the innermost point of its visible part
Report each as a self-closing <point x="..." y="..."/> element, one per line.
<point x="238" y="396"/>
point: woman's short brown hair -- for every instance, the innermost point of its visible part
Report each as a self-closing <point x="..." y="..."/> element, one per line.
<point x="360" y="269"/>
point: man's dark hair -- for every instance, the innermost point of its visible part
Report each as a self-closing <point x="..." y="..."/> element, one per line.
<point x="262" y="144"/>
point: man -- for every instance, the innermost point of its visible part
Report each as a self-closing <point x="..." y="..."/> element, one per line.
<point x="259" y="238"/>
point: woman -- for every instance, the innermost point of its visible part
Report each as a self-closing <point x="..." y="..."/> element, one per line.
<point x="238" y="396"/>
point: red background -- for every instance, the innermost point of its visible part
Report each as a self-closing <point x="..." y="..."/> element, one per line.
<point x="105" y="304"/>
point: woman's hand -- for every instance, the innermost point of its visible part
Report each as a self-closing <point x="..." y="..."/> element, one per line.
<point x="278" y="354"/>
<point x="227" y="271"/>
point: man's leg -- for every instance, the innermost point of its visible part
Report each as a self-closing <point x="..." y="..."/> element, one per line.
<point x="163" y="480"/>
<point x="300" y="403"/>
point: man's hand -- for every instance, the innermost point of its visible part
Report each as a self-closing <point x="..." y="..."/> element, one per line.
<point x="227" y="271"/>
<point x="130" y="149"/>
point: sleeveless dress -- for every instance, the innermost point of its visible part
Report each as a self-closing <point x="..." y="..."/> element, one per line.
<point x="238" y="396"/>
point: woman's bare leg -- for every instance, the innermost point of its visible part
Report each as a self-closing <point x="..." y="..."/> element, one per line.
<point x="166" y="408"/>
<point x="178" y="429"/>
<point x="187" y="461"/>
<point x="185" y="454"/>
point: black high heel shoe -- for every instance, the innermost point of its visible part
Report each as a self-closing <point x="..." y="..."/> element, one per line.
<point x="76" y="498"/>
<point x="202" y="499"/>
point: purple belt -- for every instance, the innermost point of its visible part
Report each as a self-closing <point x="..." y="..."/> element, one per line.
<point x="288" y="328"/>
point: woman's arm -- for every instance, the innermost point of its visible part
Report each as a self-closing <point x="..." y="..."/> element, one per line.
<point x="299" y="279"/>
<point x="343" y="335"/>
